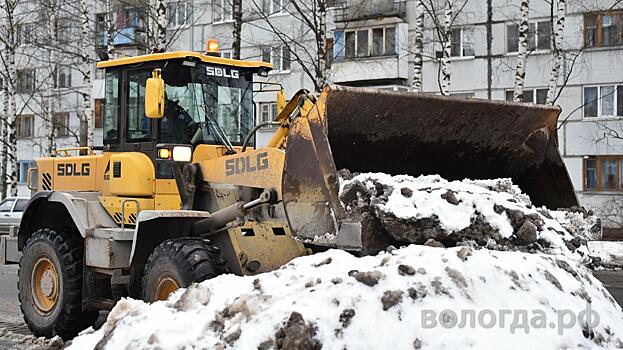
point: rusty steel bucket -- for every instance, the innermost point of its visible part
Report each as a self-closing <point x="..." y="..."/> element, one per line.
<point x="369" y="130"/>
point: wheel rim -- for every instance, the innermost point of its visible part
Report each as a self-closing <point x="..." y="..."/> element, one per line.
<point x="166" y="286"/>
<point x="44" y="285"/>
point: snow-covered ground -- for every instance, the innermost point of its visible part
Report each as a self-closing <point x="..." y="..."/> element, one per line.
<point x="496" y="272"/>
<point x="388" y="301"/>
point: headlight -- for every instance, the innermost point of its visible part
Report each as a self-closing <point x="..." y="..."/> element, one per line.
<point x="182" y="153"/>
<point x="178" y="153"/>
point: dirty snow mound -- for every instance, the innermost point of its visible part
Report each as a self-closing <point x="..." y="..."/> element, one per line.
<point x="14" y="341"/>
<point x="484" y="213"/>
<point x="336" y="301"/>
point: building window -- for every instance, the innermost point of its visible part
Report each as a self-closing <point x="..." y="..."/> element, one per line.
<point x="603" y="173"/>
<point x="98" y="113"/>
<point x="60" y="124"/>
<point x="22" y="169"/>
<point x="603" y="29"/>
<point x="364" y="42"/>
<point x="101" y="30"/>
<point x="26" y="80"/>
<point x="130" y="18"/>
<point x="24" y="126"/>
<point x="603" y="101"/>
<point x="278" y="56"/>
<point x="62" y="77"/>
<point x="538" y="96"/>
<point x="179" y="13"/>
<point x="539" y="36"/>
<point x="26" y="34"/>
<point x="467" y="95"/>
<point x="268" y="112"/>
<point x="270" y="7"/>
<point x="222" y="10"/>
<point x="65" y="30"/>
<point x="226" y="53"/>
<point x="462" y="42"/>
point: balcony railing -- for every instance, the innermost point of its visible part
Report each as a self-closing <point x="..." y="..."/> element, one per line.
<point x="355" y="10"/>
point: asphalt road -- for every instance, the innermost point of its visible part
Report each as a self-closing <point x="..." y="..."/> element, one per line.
<point x="9" y="306"/>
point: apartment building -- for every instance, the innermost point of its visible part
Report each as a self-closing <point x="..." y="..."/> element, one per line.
<point x="371" y="41"/>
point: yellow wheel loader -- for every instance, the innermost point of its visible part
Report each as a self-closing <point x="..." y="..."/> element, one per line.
<point x="180" y="194"/>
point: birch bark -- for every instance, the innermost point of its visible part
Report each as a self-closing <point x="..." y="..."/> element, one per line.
<point x="522" y="56"/>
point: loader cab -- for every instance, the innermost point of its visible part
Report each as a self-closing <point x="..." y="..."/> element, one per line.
<point x="207" y="100"/>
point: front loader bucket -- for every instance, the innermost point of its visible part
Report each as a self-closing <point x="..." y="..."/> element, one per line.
<point x="368" y="130"/>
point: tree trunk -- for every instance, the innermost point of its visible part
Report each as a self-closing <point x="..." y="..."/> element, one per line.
<point x="86" y="72"/>
<point x="237" y="32"/>
<point x="161" y="26"/>
<point x="5" y="149"/>
<point x="321" y="43"/>
<point x="522" y="56"/>
<point x="52" y="67"/>
<point x="110" y="27"/>
<point x="11" y="74"/>
<point x="418" y="47"/>
<point x="489" y="47"/>
<point x="557" y="51"/>
<point x="445" y="58"/>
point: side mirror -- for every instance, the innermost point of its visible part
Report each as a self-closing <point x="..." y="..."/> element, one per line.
<point x="154" y="96"/>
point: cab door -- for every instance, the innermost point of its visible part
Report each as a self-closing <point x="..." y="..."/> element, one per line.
<point x="139" y="135"/>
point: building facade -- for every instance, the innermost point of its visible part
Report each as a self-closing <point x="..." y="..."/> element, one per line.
<point x="370" y="44"/>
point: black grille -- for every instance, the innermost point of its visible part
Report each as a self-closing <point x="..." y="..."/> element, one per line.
<point x="116" y="169"/>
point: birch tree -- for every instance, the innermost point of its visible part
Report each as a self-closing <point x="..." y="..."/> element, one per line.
<point x="418" y="47"/>
<point x="557" y="52"/>
<point x="85" y="70"/>
<point x="237" y="31"/>
<point x="445" y="58"/>
<point x="160" y="31"/>
<point x="110" y="35"/>
<point x="311" y="19"/>
<point x="9" y="132"/>
<point x="522" y="55"/>
<point x="4" y="149"/>
<point x="52" y="10"/>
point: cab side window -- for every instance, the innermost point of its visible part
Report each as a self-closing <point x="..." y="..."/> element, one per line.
<point x="111" y="108"/>
<point x="137" y="123"/>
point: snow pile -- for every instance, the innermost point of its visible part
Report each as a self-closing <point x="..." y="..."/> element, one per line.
<point x="14" y="341"/>
<point x="484" y="213"/>
<point x="607" y="254"/>
<point x="412" y="297"/>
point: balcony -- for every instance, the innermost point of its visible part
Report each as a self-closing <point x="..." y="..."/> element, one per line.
<point x="123" y="37"/>
<point x="356" y="10"/>
<point x="381" y="68"/>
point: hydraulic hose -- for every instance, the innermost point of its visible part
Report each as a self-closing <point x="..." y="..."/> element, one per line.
<point x="254" y="130"/>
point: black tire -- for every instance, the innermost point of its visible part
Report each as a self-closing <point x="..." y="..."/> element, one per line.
<point x="182" y="261"/>
<point x="63" y="250"/>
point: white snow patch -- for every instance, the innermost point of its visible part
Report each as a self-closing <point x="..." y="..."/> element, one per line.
<point x="610" y="252"/>
<point x="320" y="291"/>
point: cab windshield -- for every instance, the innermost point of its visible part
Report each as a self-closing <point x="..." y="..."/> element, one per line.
<point x="205" y="104"/>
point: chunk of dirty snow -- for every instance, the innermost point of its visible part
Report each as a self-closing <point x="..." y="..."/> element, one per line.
<point x="484" y="213"/>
